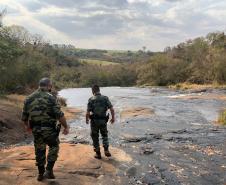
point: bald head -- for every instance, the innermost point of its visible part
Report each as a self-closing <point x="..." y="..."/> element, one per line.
<point x="45" y="84"/>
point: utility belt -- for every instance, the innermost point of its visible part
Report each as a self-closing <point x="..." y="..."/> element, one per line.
<point x="53" y="125"/>
<point x="42" y="124"/>
<point x="97" y="117"/>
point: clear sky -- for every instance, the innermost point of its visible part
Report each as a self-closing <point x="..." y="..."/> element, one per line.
<point x="117" y="24"/>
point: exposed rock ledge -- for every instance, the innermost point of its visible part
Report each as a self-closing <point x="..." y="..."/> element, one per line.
<point x="131" y="112"/>
<point x="76" y="165"/>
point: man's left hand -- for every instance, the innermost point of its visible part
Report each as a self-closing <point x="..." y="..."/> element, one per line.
<point x="28" y="129"/>
<point x="112" y="120"/>
<point x="66" y="131"/>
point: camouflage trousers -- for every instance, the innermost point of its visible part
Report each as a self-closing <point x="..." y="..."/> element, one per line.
<point x="42" y="138"/>
<point x="96" y="127"/>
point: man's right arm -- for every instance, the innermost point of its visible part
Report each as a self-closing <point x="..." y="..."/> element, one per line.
<point x="89" y="109"/>
<point x="25" y="116"/>
<point x="112" y="115"/>
<point x="109" y="105"/>
<point x="60" y="116"/>
<point x="63" y="122"/>
<point x="87" y="117"/>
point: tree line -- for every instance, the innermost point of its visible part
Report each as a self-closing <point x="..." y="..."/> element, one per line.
<point x="200" y="61"/>
<point x="26" y="57"/>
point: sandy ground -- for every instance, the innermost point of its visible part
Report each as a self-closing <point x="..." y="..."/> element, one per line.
<point x="76" y="165"/>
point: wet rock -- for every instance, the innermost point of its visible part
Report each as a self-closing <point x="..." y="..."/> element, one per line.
<point x="85" y="173"/>
<point x="182" y="131"/>
<point x="170" y="178"/>
<point x="151" y="179"/>
<point x="131" y="172"/>
<point x="134" y="139"/>
<point x="198" y="90"/>
<point x="152" y="136"/>
<point x="79" y="141"/>
<point x="147" y="138"/>
<point x="157" y="136"/>
<point x="179" y="139"/>
<point x="147" y="150"/>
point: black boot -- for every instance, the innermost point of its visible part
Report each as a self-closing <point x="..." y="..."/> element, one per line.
<point x="41" y="171"/>
<point x="97" y="155"/>
<point x="106" y="152"/>
<point x="49" y="170"/>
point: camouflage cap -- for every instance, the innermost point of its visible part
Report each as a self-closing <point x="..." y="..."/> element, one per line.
<point x="44" y="82"/>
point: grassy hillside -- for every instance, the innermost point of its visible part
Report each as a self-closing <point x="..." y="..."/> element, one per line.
<point x="116" y="56"/>
<point x="97" y="62"/>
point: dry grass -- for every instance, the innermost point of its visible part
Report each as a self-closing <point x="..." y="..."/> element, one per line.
<point x="185" y="86"/>
<point x="202" y="96"/>
<point x="13" y="100"/>
<point x="222" y="117"/>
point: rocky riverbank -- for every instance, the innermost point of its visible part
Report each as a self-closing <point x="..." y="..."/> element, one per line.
<point x="11" y="128"/>
<point x="171" y="135"/>
<point x="76" y="165"/>
<point x="161" y="136"/>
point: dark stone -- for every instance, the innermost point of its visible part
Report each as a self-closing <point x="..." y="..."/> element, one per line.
<point x="179" y="139"/>
<point x="198" y="90"/>
<point x="131" y="172"/>
<point x="147" y="150"/>
<point x="182" y="131"/>
<point x="4" y="125"/>
<point x="151" y="179"/>
<point x="134" y="139"/>
<point x="79" y="141"/>
<point x="157" y="136"/>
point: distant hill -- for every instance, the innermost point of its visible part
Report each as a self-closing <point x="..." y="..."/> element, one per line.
<point x="116" y="56"/>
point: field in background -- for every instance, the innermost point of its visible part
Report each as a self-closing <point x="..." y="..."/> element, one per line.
<point x="97" y="62"/>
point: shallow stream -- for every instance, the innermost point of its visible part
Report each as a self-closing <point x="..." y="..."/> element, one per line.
<point x="177" y="144"/>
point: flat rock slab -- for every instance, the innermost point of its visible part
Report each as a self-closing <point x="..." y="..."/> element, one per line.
<point x="75" y="165"/>
<point x="131" y="112"/>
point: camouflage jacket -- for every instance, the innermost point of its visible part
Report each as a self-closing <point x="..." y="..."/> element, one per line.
<point x="41" y="108"/>
<point x="99" y="105"/>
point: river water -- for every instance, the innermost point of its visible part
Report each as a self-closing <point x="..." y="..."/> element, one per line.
<point x="178" y="144"/>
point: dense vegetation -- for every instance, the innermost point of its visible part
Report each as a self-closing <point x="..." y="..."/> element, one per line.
<point x="25" y="58"/>
<point x="200" y="61"/>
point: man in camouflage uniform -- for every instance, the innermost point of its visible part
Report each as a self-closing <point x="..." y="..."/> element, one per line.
<point x="97" y="107"/>
<point x="40" y="114"/>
